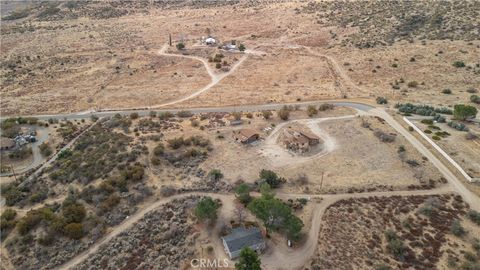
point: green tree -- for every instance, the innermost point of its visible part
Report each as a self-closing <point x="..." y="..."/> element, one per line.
<point x="271" y="178"/>
<point x="276" y="215"/>
<point x="241" y="47"/>
<point x="248" y="260"/>
<point x="206" y="209"/>
<point x="462" y="112"/>
<point x="243" y="193"/>
<point x="180" y="46"/>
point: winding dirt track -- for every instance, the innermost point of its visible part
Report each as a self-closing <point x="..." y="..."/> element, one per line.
<point x="215" y="77"/>
<point x="280" y="256"/>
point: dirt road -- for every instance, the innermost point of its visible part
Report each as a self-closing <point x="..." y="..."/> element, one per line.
<point x="280" y="257"/>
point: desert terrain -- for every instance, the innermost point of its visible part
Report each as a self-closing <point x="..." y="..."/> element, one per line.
<point x="346" y="133"/>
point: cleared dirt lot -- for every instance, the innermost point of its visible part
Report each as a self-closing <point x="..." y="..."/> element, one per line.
<point x="359" y="161"/>
<point x="75" y="68"/>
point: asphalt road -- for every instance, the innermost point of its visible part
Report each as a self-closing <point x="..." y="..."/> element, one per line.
<point x="243" y="108"/>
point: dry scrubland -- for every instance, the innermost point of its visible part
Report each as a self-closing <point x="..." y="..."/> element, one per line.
<point x="423" y="232"/>
<point x="76" y="56"/>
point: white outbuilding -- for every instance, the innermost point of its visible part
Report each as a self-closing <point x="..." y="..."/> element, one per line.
<point x="210" y="41"/>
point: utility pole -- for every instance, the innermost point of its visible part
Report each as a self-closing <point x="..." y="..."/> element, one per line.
<point x="13" y="172"/>
<point x="321" y="182"/>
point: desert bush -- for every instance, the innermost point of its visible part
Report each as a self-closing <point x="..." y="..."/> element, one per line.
<point x="249" y="115"/>
<point x="218" y="65"/>
<point x="267" y="114"/>
<point x="401" y="149"/>
<point x="427" y="121"/>
<point x="110" y="202"/>
<point x="11" y="193"/>
<point x="180" y="46"/>
<point x="474" y="216"/>
<point x="45" y="149"/>
<point x="395" y="245"/>
<point x="457" y="229"/>
<point x="381" y="100"/>
<point x="133" y="173"/>
<point x="475" y="99"/>
<point x="446" y="91"/>
<point x="159" y="149"/>
<point x="215" y="174"/>
<point x="21" y="153"/>
<point x="165" y="115"/>
<point x="326" y="106"/>
<point x="73" y="212"/>
<point x="439" y="118"/>
<point x="175" y="143"/>
<point x="472" y="90"/>
<point x="458" y="64"/>
<point x="384" y="137"/>
<point x="184" y="114"/>
<point x="436" y="138"/>
<point x="311" y="110"/>
<point x="134" y="115"/>
<point x="241" y="47"/>
<point x="458" y="126"/>
<point x="283" y="113"/>
<point x="427" y="131"/>
<point x="237" y="116"/>
<point x="74" y="230"/>
<point x="167" y="191"/>
<point x="412" y="84"/>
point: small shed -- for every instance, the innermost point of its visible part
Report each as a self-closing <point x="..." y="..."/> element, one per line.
<point x="242" y="237"/>
<point x="246" y="135"/>
<point x="210" y="41"/>
<point x="6" y="143"/>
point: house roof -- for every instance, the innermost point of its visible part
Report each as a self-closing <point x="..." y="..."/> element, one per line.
<point x="6" y="142"/>
<point x="309" y="135"/>
<point x="248" y="132"/>
<point x="242" y="237"/>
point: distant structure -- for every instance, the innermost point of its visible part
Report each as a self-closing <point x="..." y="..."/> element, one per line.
<point x="299" y="141"/>
<point x="241" y="238"/>
<point x="210" y="41"/>
<point x="230" y="47"/>
<point x="246" y="135"/>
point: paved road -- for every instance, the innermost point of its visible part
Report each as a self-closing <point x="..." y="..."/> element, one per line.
<point x="243" y="108"/>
